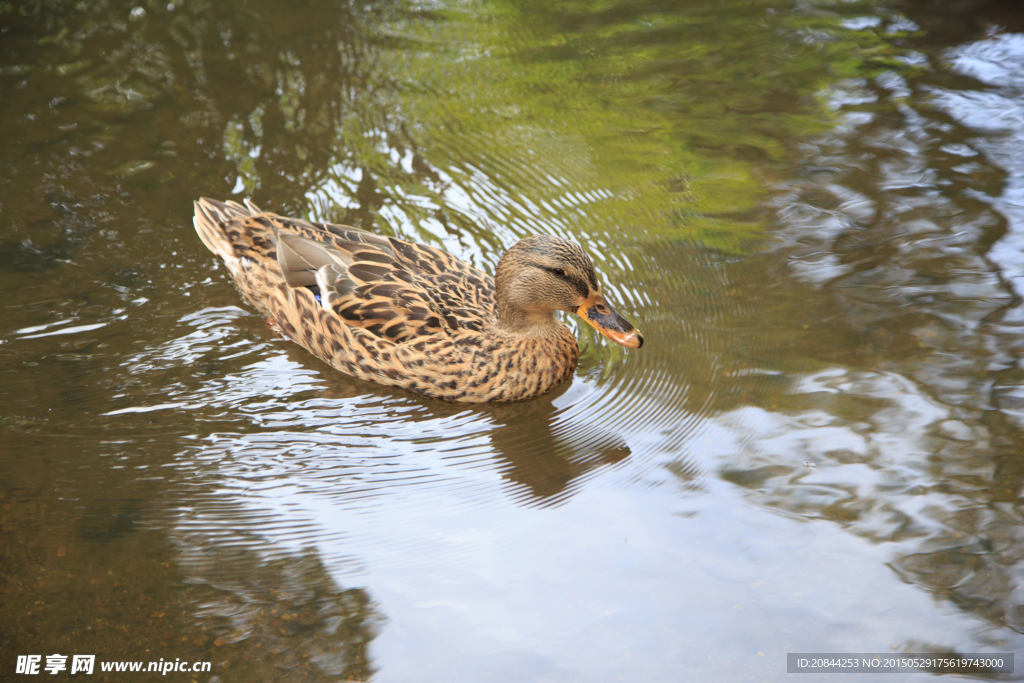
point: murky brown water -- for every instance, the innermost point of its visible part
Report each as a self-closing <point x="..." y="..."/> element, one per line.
<point x="814" y="212"/>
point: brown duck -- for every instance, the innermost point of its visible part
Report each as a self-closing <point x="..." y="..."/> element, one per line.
<point x="409" y="315"/>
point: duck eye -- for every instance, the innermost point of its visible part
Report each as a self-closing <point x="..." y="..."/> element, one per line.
<point x="558" y="272"/>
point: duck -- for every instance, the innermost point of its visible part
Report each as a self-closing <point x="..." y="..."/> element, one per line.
<point x="410" y="315"/>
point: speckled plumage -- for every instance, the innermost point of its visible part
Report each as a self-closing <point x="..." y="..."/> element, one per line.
<point x="394" y="312"/>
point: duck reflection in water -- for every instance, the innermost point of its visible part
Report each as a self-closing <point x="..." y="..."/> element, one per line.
<point x="543" y="450"/>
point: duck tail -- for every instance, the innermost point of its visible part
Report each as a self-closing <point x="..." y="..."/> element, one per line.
<point x="212" y="219"/>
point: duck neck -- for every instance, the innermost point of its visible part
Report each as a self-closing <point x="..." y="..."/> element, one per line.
<point x="515" y="320"/>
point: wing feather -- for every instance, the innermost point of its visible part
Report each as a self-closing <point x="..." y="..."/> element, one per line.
<point x="396" y="290"/>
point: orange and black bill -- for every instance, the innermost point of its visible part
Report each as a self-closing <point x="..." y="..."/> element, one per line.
<point x="602" y="317"/>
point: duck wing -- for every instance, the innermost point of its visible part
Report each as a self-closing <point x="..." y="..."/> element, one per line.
<point x="368" y="287"/>
<point x="396" y="290"/>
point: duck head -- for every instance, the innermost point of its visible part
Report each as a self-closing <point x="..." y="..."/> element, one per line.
<point x="543" y="274"/>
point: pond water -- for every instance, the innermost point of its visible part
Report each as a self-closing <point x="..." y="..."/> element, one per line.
<point x="814" y="211"/>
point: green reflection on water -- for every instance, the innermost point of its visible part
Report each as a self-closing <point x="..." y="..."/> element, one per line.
<point x="610" y="118"/>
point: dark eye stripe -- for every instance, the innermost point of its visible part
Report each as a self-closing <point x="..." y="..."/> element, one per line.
<point x="579" y="285"/>
<point x="557" y="272"/>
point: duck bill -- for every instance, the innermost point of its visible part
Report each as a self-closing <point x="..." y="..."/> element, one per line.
<point x="602" y="317"/>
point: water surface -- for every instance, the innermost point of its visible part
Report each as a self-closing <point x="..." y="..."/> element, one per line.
<point x="813" y="211"/>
